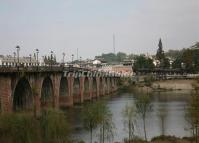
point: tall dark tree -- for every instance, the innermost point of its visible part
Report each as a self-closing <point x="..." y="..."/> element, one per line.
<point x="160" y="55"/>
<point x="160" y="52"/>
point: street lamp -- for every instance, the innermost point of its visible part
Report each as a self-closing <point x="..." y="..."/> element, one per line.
<point x="37" y="51"/>
<point x="80" y="61"/>
<point x="14" y="53"/>
<point x="51" y="58"/>
<point x="30" y="59"/>
<point x="18" y="49"/>
<point x="63" y="57"/>
<point x="72" y="57"/>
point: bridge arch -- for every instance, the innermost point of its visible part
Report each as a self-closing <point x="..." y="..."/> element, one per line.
<point x="47" y="93"/>
<point x="63" y="89"/>
<point x="22" y="96"/>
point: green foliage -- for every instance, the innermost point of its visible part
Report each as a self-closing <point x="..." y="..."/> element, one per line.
<point x="54" y="127"/>
<point x="160" y="53"/>
<point x="148" y="80"/>
<point x="19" y="128"/>
<point x="121" y="56"/>
<point x="111" y="57"/>
<point x="189" y="57"/>
<point x="51" y="127"/>
<point x="173" y="54"/>
<point x="142" y="62"/>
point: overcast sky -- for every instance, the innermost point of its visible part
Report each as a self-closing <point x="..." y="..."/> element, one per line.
<point x="65" y="25"/>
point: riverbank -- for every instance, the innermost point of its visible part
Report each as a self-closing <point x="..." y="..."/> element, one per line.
<point x="173" y="85"/>
<point x="164" y="85"/>
<point x="164" y="139"/>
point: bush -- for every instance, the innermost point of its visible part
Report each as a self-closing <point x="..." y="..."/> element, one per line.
<point x="51" y="127"/>
<point x="19" y="128"/>
<point x="54" y="127"/>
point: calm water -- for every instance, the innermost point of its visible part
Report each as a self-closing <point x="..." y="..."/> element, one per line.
<point x="174" y="102"/>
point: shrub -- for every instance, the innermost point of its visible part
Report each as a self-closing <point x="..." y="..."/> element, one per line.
<point x="19" y="128"/>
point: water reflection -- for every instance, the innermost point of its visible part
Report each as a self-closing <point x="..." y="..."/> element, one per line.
<point x="174" y="123"/>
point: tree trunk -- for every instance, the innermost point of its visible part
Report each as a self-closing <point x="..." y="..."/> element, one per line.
<point x="196" y="134"/>
<point x="91" y="137"/>
<point x="100" y="134"/>
<point x="103" y="134"/>
<point x="144" y="129"/>
<point x="129" y="132"/>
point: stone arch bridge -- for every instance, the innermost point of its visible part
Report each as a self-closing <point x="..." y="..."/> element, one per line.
<point x="25" y="89"/>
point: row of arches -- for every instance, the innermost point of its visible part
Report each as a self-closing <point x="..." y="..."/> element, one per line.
<point x="23" y="98"/>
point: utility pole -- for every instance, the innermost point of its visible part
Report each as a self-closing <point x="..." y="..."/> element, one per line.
<point x="114" y="43"/>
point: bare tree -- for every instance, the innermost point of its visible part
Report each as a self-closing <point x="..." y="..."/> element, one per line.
<point x="162" y="114"/>
<point x="143" y="106"/>
<point x="129" y="114"/>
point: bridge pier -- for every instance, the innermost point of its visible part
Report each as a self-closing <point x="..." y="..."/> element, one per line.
<point x="87" y="95"/>
<point x="5" y="94"/>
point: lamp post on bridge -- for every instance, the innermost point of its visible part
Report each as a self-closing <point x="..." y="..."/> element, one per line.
<point x="14" y="53"/>
<point x="63" y="57"/>
<point x="72" y="57"/>
<point x="80" y="61"/>
<point x="30" y="59"/>
<point x="37" y="51"/>
<point x="51" y="58"/>
<point x="18" y="49"/>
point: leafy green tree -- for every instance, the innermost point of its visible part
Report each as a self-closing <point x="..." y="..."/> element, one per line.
<point x="189" y="57"/>
<point x="165" y="63"/>
<point x="121" y="56"/>
<point x="110" y="57"/>
<point x="129" y="114"/>
<point x="173" y="54"/>
<point x="143" y="106"/>
<point x="142" y="62"/>
<point x="54" y="127"/>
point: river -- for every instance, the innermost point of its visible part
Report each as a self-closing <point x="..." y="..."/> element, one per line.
<point x="173" y="102"/>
